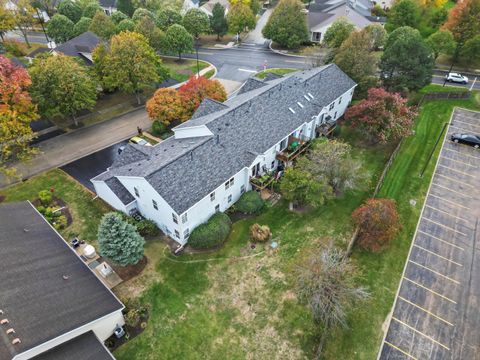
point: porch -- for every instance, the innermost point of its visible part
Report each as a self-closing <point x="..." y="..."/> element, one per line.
<point x="325" y="129"/>
<point x="261" y="182"/>
<point x="296" y="146"/>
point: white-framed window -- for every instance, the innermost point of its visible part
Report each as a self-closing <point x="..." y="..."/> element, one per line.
<point x="217" y="208"/>
<point x="340" y="100"/>
<point x="242" y="189"/>
<point x="283" y="144"/>
<point x="232" y="181"/>
<point x="184" y="218"/>
<point x="174" y="218"/>
<point x="227" y="185"/>
<point x="155" y="205"/>
<point x="351" y="92"/>
<point x="177" y="234"/>
<point x="273" y="164"/>
<point x="332" y="105"/>
<point x="212" y="196"/>
<point x="230" y="198"/>
<point x="335" y="115"/>
<point x="186" y="233"/>
<point x="137" y="194"/>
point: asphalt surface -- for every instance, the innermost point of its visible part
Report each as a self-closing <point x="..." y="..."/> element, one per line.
<point x="90" y="166"/>
<point x="473" y="79"/>
<point x="436" y="315"/>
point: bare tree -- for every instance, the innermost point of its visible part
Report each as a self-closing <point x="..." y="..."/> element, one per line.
<point x="326" y="282"/>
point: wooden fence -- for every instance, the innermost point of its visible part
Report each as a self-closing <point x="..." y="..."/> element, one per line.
<point x="447" y="95"/>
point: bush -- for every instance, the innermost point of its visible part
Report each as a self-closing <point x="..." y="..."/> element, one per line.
<point x="260" y="233"/>
<point x="147" y="227"/>
<point x="158" y="128"/>
<point x="16" y="48"/>
<point x="59" y="222"/>
<point x="250" y="203"/>
<point x="45" y="197"/>
<point x="212" y="233"/>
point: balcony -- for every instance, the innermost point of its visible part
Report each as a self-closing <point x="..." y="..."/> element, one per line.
<point x="326" y="128"/>
<point x="261" y="182"/>
<point x="295" y="147"/>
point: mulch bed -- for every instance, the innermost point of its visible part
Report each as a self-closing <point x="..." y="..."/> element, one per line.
<point x="130" y="332"/>
<point x="237" y="216"/>
<point x="127" y="272"/>
<point x="57" y="203"/>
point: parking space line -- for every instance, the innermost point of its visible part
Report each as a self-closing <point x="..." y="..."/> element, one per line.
<point x="467" y="123"/>
<point x="434" y="272"/>
<point x="430" y="290"/>
<point x="403" y="352"/>
<point x="458" y="171"/>
<point x="437" y="255"/>
<point x="459" y="161"/>
<point x="425" y="310"/>
<point x="450" y="201"/>
<point x="455" y="180"/>
<point x="447" y="213"/>
<point x="460" y="128"/>
<point x="469" y="155"/>
<point x="421" y="333"/>
<point x="444" y="226"/>
<point x="447" y="188"/>
<point x="441" y="240"/>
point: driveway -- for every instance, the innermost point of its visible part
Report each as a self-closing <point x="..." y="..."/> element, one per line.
<point x="255" y="36"/>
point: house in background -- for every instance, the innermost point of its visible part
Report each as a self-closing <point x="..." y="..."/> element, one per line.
<point x="108" y="6"/>
<point x="322" y="13"/>
<point x="52" y="305"/>
<point x="207" y="8"/>
<point x="212" y="158"/>
<point x="190" y="4"/>
<point x="81" y="46"/>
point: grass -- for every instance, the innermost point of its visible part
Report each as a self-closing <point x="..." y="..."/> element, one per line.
<point x="182" y="70"/>
<point x="209" y="73"/>
<point x="86" y="212"/>
<point x="277" y="71"/>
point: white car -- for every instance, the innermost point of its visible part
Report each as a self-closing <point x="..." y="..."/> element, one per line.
<point x="457" y="78"/>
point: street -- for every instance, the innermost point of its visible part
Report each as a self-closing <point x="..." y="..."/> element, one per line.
<point x="473" y="79"/>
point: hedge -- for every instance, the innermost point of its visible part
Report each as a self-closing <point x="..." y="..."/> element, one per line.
<point x="212" y="233"/>
<point x="250" y="203"/>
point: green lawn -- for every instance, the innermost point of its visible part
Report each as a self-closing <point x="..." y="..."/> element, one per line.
<point x="279" y="71"/>
<point x="86" y="212"/>
<point x="182" y="70"/>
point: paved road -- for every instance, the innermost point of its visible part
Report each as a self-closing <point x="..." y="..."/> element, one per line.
<point x="255" y="36"/>
<point x="436" y="313"/>
<point x="474" y="79"/>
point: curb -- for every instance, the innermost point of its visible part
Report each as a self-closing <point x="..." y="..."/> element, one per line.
<point x="284" y="54"/>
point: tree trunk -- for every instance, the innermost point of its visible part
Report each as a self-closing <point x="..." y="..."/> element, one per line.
<point x="179" y="56"/>
<point x="1" y="36"/>
<point x="137" y="96"/>
<point x="75" y="121"/>
<point x="25" y="35"/>
<point x="290" y="206"/>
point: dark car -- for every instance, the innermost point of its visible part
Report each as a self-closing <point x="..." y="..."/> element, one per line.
<point x="467" y="139"/>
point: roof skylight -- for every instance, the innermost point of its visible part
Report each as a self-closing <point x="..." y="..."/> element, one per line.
<point x="292" y="111"/>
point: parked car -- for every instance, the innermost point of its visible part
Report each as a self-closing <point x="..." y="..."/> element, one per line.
<point x="140" y="141"/>
<point x="467" y="139"/>
<point x="456" y="78"/>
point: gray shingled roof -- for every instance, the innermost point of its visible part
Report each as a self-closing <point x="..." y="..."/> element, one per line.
<point x="80" y="45"/>
<point x="108" y="3"/>
<point x="183" y="171"/>
<point x="251" y="84"/>
<point x="120" y="191"/>
<point x="208" y="106"/>
<point x="38" y="302"/>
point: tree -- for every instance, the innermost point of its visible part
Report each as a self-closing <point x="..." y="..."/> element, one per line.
<point x="357" y="61"/>
<point x="378" y="223"/>
<point x="432" y="3"/>
<point x="326" y="283"/>
<point x="260" y="233"/>
<point x="382" y="117"/>
<point x="442" y="42"/>
<point x="118" y="16"/>
<point x="16" y="114"/>
<point x="378" y="35"/>
<point x="463" y="20"/>
<point x="125" y="25"/>
<point x="167" y="17"/>
<point x="102" y="25"/>
<point x="60" y="28"/>
<point x="407" y="62"/>
<point x="7" y="19"/>
<point x="437" y="18"/>
<point x="140" y="13"/>
<point x="130" y="64"/>
<point x="239" y="18"/>
<point x="70" y="9"/>
<point x="218" y="21"/>
<point x="196" y="22"/>
<point x="24" y="18"/>
<point x="120" y="241"/>
<point x="332" y="163"/>
<point x="166" y="106"/>
<point x="403" y="13"/>
<point x="82" y="26"/>
<point x="338" y="32"/>
<point x="146" y="26"/>
<point x="287" y="26"/>
<point x="60" y="85"/>
<point x="471" y="49"/>
<point x="255" y="6"/>
<point x="299" y="186"/>
<point x="91" y="9"/>
<point x="47" y="5"/>
<point x="125" y="6"/>
<point x="178" y="40"/>
<point x="197" y="89"/>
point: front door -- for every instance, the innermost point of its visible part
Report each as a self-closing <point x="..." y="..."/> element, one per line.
<point x="255" y="170"/>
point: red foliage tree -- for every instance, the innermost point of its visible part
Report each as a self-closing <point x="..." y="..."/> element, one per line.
<point x="382" y="116"/>
<point x="378" y="223"/>
<point x="166" y="106"/>
<point x="195" y="90"/>
<point x="464" y="20"/>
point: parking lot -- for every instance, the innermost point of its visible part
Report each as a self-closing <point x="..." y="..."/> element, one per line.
<point x="436" y="312"/>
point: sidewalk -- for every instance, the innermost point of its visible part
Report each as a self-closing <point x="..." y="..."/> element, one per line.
<point x="255" y="36"/>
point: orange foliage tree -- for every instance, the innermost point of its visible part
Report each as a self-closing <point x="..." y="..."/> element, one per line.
<point x="378" y="223"/>
<point x="195" y="90"/>
<point x="166" y="106"/>
<point x="463" y="20"/>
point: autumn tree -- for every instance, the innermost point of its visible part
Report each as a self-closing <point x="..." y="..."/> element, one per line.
<point x="196" y="22"/>
<point x="7" y="19"/>
<point x="61" y="86"/>
<point x="378" y="35"/>
<point x="118" y="17"/>
<point x="407" y="61"/>
<point x="146" y="26"/>
<point x="218" y="21"/>
<point x="16" y="114"/>
<point x="442" y="42"/>
<point x="178" y="41"/>
<point x="166" y="106"/>
<point x="102" y="25"/>
<point x="382" y="117"/>
<point x="82" y="26"/>
<point x="464" y="20"/>
<point x="60" y="28"/>
<point x="166" y="17"/>
<point x="91" y="9"/>
<point x="338" y="32"/>
<point x="140" y="13"/>
<point x="239" y="18"/>
<point x="129" y="64"/>
<point x="24" y="18"/>
<point x="70" y="9"/>
<point x="326" y="282"/>
<point x="378" y="223"/>
<point x="355" y="58"/>
<point x="286" y="26"/>
<point x="403" y="13"/>
<point x="125" y="25"/>
<point x="197" y="89"/>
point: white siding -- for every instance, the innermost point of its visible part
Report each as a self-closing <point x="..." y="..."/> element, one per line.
<point x="194" y="131"/>
<point x="105" y="193"/>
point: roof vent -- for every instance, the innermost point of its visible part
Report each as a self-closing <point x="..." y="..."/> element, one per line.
<point x="306" y="97"/>
<point x="25" y="230"/>
<point x="311" y="96"/>
<point x="4" y="321"/>
<point x="65" y="277"/>
<point x="292" y="111"/>
<point x="300" y="104"/>
<point x="1" y="312"/>
<point x="10" y="331"/>
<point x="16" y="341"/>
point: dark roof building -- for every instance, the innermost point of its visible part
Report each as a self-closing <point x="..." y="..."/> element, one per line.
<point x="80" y="46"/>
<point x="47" y="292"/>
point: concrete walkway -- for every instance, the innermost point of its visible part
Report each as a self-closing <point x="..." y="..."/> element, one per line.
<point x="255" y="36"/>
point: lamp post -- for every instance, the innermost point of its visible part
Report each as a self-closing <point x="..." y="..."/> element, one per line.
<point x="42" y="20"/>
<point x="455" y="55"/>
<point x="197" y="45"/>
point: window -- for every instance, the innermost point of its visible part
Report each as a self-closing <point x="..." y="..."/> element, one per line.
<point x="232" y="181"/>
<point x="212" y="196"/>
<point x="137" y="194"/>
<point x="184" y="218"/>
<point x="340" y="100"/>
<point x="283" y="144"/>
<point x="217" y="208"/>
<point x="177" y="234"/>
<point x="332" y="105"/>
<point x="230" y="198"/>
<point x="186" y="233"/>
<point x="273" y="164"/>
<point x="242" y="189"/>
<point x="155" y="205"/>
<point x="335" y="115"/>
<point x="175" y="219"/>
<point x="227" y="185"/>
